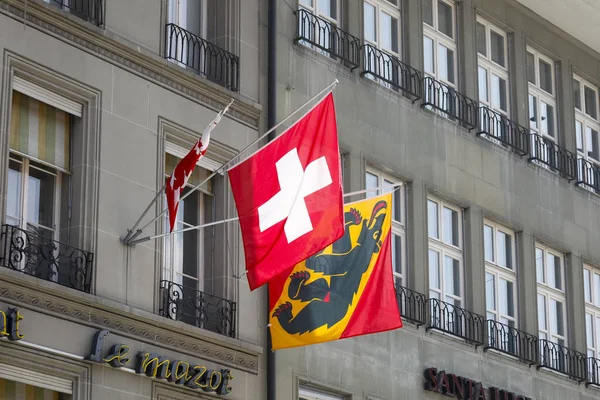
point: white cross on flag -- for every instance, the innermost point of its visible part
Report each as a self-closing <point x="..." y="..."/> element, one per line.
<point x="289" y="196"/>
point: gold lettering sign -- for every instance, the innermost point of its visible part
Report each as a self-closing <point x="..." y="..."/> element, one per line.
<point x="9" y="324"/>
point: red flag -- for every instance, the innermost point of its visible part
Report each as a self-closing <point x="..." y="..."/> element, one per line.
<point x="183" y="170"/>
<point x="289" y="195"/>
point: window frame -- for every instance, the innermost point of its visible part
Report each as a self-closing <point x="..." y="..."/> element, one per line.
<point x="446" y="250"/>
<point x="551" y="293"/>
<point x="398" y="226"/>
<point x="541" y="95"/>
<point x="392" y="10"/>
<point x="592" y="307"/>
<point x="439" y="38"/>
<point x="586" y="120"/>
<point x="307" y="393"/>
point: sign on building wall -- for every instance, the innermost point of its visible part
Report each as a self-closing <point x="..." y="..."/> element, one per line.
<point x="9" y="324"/>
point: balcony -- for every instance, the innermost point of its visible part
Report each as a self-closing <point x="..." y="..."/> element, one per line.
<point x="455" y="105"/>
<point x="206" y="59"/>
<point x="456" y="321"/>
<point x="512" y="341"/>
<point x="412" y="305"/>
<point x="588" y="175"/>
<point x="593" y="372"/>
<point x="388" y="69"/>
<point x="547" y="153"/>
<point x="562" y="359"/>
<point x="197" y="308"/>
<point x="317" y="32"/>
<point x="498" y="128"/>
<point x="88" y="10"/>
<point x="44" y="258"/>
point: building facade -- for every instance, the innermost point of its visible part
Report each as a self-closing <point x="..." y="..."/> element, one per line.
<point x="487" y="111"/>
<point x="99" y="99"/>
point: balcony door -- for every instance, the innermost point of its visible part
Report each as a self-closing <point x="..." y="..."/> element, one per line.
<point x="189" y="16"/>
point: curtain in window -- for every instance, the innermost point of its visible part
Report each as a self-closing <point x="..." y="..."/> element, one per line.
<point x="197" y="176"/>
<point x="40" y="131"/>
<point x="10" y="390"/>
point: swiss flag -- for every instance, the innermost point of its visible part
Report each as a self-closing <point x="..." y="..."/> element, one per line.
<point x="289" y="195"/>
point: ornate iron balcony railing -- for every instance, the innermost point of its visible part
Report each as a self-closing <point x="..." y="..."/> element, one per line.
<point x="205" y="58"/>
<point x="512" y="341"/>
<point x="47" y="259"/>
<point x="446" y="99"/>
<point x="593" y="371"/>
<point x="588" y="174"/>
<point x="389" y="69"/>
<point x="197" y="308"/>
<point x="562" y="359"/>
<point x="412" y="305"/>
<point x="324" y="35"/>
<point x="546" y="152"/>
<point x="455" y="321"/>
<point x="88" y="10"/>
<point x="498" y="127"/>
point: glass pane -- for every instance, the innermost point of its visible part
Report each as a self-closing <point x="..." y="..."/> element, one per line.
<point x="499" y="96"/>
<point x="488" y="241"/>
<point x="434" y="270"/>
<point x="579" y="135"/>
<point x="530" y="68"/>
<point x="589" y="330"/>
<point x="428" y="55"/>
<point x="590" y="102"/>
<point x="432" y="219"/>
<point x="556" y="317"/>
<point x="554" y="272"/>
<point x="598" y="336"/>
<point x="490" y="295"/>
<point x="445" y="18"/>
<point x="597" y="290"/>
<point x="452" y="276"/>
<point x="539" y="265"/>
<point x="305" y="2"/>
<point x="396" y="199"/>
<point x="545" y="76"/>
<point x="497" y="48"/>
<point x="481" y="40"/>
<point x="450" y="225"/>
<point x="591" y="136"/>
<point x="504" y="250"/>
<point x="587" y="288"/>
<point x="328" y="8"/>
<point x="577" y="94"/>
<point x="542" y="312"/>
<point x="389" y="32"/>
<point x="483" y="85"/>
<point x="547" y="119"/>
<point x="371" y="182"/>
<point x="397" y="254"/>
<point x="40" y="198"/>
<point x="533" y="117"/>
<point x="370" y="26"/>
<point x="506" y="298"/>
<point x="13" y="193"/>
<point x="428" y="12"/>
<point x="446" y="64"/>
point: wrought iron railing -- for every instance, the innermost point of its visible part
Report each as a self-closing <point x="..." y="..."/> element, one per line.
<point x="197" y="308"/>
<point x="498" y="127"/>
<point x="47" y="259"/>
<point x="88" y="10"/>
<point x="412" y="305"/>
<point x="455" y="321"/>
<point x="547" y="152"/>
<point x="205" y="58"/>
<point x="389" y="69"/>
<point x="446" y="99"/>
<point x="509" y="340"/>
<point x="562" y="359"/>
<point x="324" y="35"/>
<point x="593" y="371"/>
<point x="588" y="174"/>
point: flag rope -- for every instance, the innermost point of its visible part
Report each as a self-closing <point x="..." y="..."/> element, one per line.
<point x="198" y="227"/>
<point x="129" y="238"/>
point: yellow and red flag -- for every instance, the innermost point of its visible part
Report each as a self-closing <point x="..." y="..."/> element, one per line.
<point x="345" y="290"/>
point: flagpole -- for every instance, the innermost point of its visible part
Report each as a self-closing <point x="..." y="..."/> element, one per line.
<point x="198" y="227"/>
<point x="223" y="167"/>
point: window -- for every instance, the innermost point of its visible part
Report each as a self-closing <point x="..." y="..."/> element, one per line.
<point x="587" y="126"/>
<point x="305" y="393"/>
<point x="87" y="10"/>
<point x="542" y="104"/>
<point x="189" y="15"/>
<point x="500" y="277"/>
<point x="492" y="70"/>
<point x="444" y="225"/>
<point x="315" y="29"/>
<point x="591" y="290"/>
<point x="375" y="179"/>
<point x="549" y="266"/>
<point x="439" y="41"/>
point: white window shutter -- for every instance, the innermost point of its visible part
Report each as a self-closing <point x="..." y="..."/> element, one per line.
<point x="41" y="380"/>
<point x="47" y="96"/>
<point x="205" y="162"/>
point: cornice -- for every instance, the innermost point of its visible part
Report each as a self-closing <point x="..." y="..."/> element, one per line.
<point x="104" y="45"/>
<point x="46" y="297"/>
